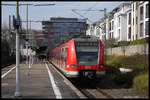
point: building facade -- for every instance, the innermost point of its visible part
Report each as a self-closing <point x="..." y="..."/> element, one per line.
<point x="140" y="20"/>
<point x="127" y="22"/>
<point x="60" y="30"/>
<point x="116" y="24"/>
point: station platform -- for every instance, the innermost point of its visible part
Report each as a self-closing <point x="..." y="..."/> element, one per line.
<point x="38" y="84"/>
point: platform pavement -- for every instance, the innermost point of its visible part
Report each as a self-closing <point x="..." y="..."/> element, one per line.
<point x="36" y="85"/>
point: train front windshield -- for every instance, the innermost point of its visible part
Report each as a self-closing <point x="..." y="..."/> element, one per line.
<point x="87" y="53"/>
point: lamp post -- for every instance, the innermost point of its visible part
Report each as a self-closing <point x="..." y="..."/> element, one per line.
<point x="17" y="92"/>
<point x="105" y="24"/>
<point x="27" y="58"/>
<point x="105" y="51"/>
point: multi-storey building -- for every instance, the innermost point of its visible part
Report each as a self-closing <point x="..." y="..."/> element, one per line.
<point x="116" y="24"/>
<point x="140" y="20"/>
<point x="60" y="30"/>
<point x="127" y="22"/>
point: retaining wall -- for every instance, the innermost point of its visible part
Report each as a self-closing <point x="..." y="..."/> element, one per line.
<point x="129" y="50"/>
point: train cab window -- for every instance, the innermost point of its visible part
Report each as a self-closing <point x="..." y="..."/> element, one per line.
<point x="87" y="53"/>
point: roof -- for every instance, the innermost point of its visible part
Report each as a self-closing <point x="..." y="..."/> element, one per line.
<point x="63" y="19"/>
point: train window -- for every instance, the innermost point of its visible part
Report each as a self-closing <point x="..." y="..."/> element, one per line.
<point x="87" y="53"/>
<point x="65" y="54"/>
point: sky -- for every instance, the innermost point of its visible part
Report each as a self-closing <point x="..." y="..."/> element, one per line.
<point x="60" y="9"/>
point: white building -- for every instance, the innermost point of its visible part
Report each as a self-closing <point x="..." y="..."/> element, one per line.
<point x="119" y="22"/>
<point x="127" y="22"/>
<point x="140" y="20"/>
<point x="116" y="24"/>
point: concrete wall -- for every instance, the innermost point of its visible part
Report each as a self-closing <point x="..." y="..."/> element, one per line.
<point x="129" y="50"/>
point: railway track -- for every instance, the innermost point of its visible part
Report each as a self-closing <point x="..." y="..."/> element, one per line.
<point x="83" y="89"/>
<point x="88" y="88"/>
<point x="106" y="93"/>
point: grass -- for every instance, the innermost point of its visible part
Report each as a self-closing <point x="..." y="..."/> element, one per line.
<point x="140" y="83"/>
<point x="136" y="79"/>
<point x="136" y="62"/>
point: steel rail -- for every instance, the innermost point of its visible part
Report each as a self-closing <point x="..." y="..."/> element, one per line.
<point x="105" y="93"/>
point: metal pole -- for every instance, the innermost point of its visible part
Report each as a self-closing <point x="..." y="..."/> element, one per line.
<point x="17" y="93"/>
<point x="30" y="48"/>
<point x="10" y="35"/>
<point x="9" y="24"/>
<point x="105" y="33"/>
<point x="27" y="59"/>
<point x="32" y="33"/>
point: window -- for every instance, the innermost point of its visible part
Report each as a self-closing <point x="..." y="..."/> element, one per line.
<point x="147" y="28"/>
<point x="119" y="21"/>
<point x="109" y="35"/>
<point x="141" y="13"/>
<point x="141" y="29"/>
<point x="129" y="33"/>
<point x="129" y="20"/>
<point x="119" y="33"/>
<point x="133" y="7"/>
<point x="133" y="21"/>
<point x="112" y="35"/>
<point x="147" y="10"/>
<point x="112" y="25"/>
<point x="136" y="20"/>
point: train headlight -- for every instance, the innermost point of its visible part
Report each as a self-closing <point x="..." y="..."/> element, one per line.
<point x="67" y="66"/>
<point x="73" y="66"/>
<point x="101" y="66"/>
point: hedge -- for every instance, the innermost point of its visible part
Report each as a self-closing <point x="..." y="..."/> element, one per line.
<point x="126" y="43"/>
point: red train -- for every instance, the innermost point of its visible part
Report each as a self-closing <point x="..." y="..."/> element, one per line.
<point x="80" y="57"/>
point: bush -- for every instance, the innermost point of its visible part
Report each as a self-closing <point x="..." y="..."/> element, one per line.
<point x="123" y="43"/>
<point x="124" y="79"/>
<point x="135" y="62"/>
<point x="140" y="83"/>
<point x="141" y="41"/>
<point x="139" y="64"/>
<point x="111" y="43"/>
